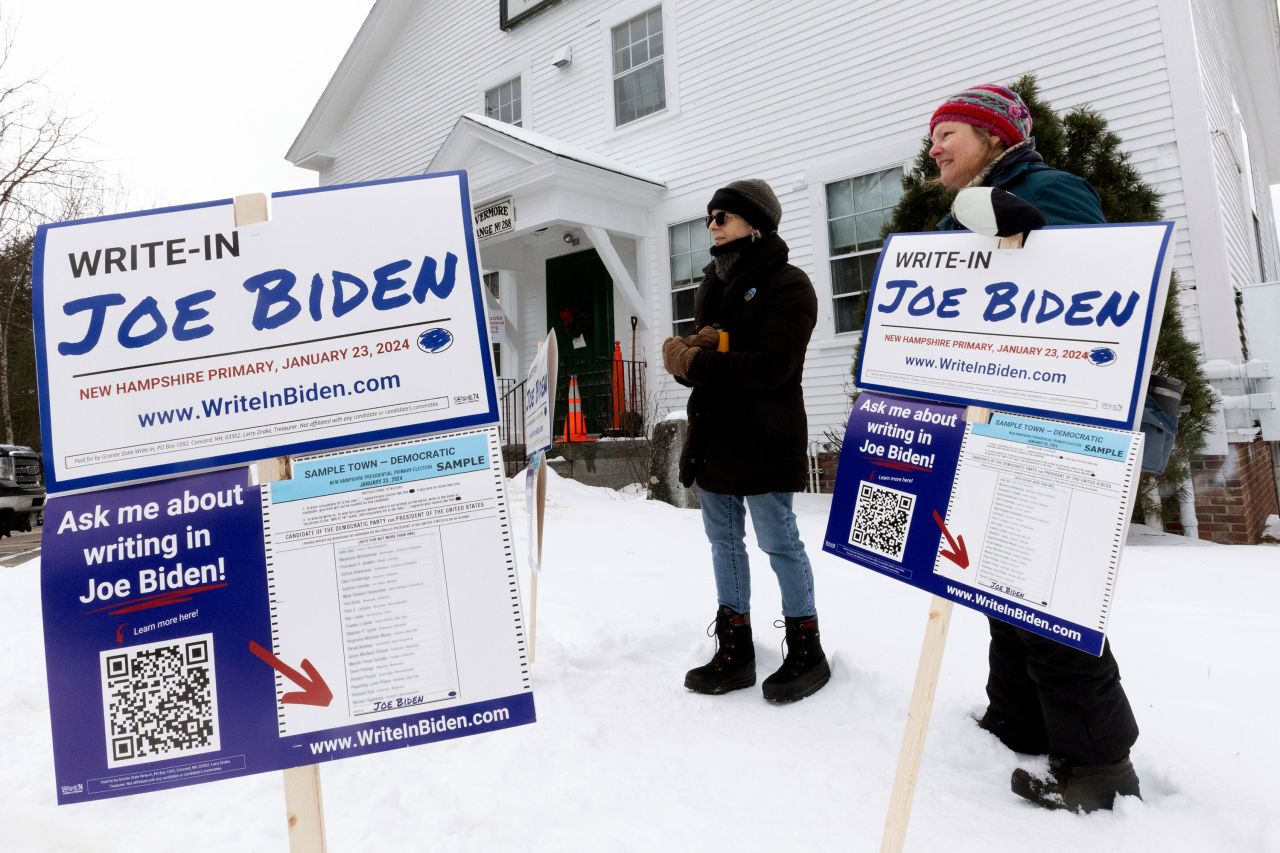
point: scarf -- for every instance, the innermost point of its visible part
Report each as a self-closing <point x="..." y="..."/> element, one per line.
<point x="1022" y="152"/>
<point x="726" y="256"/>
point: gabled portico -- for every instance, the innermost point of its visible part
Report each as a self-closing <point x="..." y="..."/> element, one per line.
<point x="578" y="244"/>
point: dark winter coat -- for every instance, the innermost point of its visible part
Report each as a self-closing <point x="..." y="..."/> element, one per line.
<point x="1063" y="198"/>
<point x="747" y="428"/>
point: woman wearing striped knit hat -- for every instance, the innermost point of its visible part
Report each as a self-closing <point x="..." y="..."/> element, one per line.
<point x="1044" y="698"/>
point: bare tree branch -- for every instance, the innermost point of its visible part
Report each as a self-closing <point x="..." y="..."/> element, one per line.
<point x="44" y="177"/>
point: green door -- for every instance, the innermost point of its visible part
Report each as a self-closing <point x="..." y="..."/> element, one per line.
<point x="580" y="309"/>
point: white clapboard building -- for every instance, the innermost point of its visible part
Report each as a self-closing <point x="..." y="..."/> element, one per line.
<point x="594" y="131"/>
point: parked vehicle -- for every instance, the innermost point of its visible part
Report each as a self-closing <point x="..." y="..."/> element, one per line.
<point x="21" y="489"/>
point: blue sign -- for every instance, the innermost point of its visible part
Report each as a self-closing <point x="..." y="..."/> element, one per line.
<point x="161" y="640"/>
<point x="986" y="520"/>
<point x="896" y="470"/>
<point x="151" y="596"/>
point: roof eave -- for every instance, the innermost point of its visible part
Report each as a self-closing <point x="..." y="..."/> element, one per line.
<point x="381" y="26"/>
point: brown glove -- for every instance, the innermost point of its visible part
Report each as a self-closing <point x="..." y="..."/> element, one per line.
<point x="706" y="338"/>
<point x="677" y="356"/>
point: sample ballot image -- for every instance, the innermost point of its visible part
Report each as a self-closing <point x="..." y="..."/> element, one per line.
<point x="380" y="563"/>
<point x="1043" y="505"/>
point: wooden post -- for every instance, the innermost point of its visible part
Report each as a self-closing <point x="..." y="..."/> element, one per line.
<point x="533" y="616"/>
<point x="921" y="707"/>
<point x="302" y="799"/>
<point x="935" y="642"/>
<point x="904" y="781"/>
<point x="303" y="802"/>
<point x="539" y="513"/>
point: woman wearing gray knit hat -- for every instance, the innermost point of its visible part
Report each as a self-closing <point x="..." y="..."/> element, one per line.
<point x="748" y="436"/>
<point x="1044" y="697"/>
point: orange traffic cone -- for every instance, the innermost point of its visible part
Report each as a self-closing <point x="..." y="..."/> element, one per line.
<point x="619" y="385"/>
<point x="575" y="425"/>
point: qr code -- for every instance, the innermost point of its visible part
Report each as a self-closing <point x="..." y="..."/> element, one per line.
<point x="159" y="701"/>
<point x="881" y="520"/>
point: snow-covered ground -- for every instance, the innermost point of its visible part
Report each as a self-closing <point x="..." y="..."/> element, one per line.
<point x="623" y="758"/>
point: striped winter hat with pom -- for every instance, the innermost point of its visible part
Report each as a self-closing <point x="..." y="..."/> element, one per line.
<point x="995" y="108"/>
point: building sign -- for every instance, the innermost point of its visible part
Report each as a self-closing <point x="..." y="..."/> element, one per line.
<point x="1065" y="327"/>
<point x="1022" y="519"/>
<point x="495" y="218"/>
<point x="171" y="340"/>
<point x="513" y="12"/>
<point x="201" y="628"/>
<point x="497" y="325"/>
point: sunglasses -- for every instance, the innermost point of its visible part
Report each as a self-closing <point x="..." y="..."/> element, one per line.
<point x="719" y="217"/>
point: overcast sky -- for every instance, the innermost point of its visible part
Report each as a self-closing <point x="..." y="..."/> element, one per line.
<point x="185" y="101"/>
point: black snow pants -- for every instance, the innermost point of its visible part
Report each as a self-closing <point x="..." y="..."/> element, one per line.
<point x="1049" y="698"/>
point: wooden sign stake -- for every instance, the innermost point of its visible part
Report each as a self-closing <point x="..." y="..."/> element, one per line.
<point x="538" y="511"/>
<point x="302" y="799"/>
<point x="921" y="707"/>
<point x="540" y="497"/>
<point x="533" y="616"/>
<point x="926" y="686"/>
<point x="904" y="781"/>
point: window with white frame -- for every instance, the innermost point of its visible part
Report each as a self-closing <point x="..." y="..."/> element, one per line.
<point x="690" y="247"/>
<point x="857" y="210"/>
<point x="494" y="285"/>
<point x="503" y="102"/>
<point x="639" y="82"/>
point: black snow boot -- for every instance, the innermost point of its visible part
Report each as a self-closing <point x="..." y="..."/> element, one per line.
<point x="805" y="668"/>
<point x="733" y="666"/>
<point x="1081" y="787"/>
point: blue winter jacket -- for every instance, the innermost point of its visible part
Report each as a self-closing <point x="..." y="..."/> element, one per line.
<point x="1062" y="197"/>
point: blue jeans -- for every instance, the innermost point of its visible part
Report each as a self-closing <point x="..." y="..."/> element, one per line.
<point x="724" y="516"/>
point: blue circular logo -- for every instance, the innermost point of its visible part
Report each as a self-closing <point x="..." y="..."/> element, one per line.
<point x="1102" y="356"/>
<point x="435" y="340"/>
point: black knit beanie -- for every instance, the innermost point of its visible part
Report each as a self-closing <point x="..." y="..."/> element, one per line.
<point x="753" y="200"/>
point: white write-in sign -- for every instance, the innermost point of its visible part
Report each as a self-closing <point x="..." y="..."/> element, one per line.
<point x="540" y="397"/>
<point x="172" y="340"/>
<point x="495" y="218"/>
<point x="1064" y="327"/>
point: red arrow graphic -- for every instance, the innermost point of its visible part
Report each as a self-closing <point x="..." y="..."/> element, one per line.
<point x="314" y="691"/>
<point x="958" y="553"/>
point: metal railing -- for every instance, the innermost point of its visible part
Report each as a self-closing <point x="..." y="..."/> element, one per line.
<point x="511" y="424"/>
<point x="604" y="416"/>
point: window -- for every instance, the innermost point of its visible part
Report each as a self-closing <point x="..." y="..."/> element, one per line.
<point x="492" y="284"/>
<point x="690" y="252"/>
<point x="639" y="85"/>
<point x="857" y="210"/>
<point x="503" y="102"/>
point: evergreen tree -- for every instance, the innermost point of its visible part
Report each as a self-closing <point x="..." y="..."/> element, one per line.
<point x="1080" y="142"/>
<point x="17" y="347"/>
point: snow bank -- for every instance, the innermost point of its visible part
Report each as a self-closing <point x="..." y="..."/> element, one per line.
<point x="623" y="758"/>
